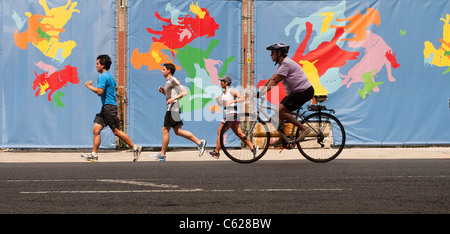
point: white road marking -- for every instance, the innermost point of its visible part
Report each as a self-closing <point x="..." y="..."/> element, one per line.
<point x="117" y="191"/>
<point x="25" y="181"/>
<point x="180" y="191"/>
<point x="289" y="190"/>
<point x="167" y="188"/>
<point x="133" y="182"/>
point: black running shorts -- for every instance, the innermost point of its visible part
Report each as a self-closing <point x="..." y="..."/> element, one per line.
<point x="108" y="117"/>
<point x="172" y="119"/>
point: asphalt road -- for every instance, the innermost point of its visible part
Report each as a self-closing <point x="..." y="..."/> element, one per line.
<point x="407" y="186"/>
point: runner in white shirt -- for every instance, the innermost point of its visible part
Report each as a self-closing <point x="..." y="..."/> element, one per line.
<point x="229" y="99"/>
<point x="173" y="91"/>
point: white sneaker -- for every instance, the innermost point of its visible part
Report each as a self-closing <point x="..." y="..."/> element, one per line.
<point x="137" y="153"/>
<point x="90" y="157"/>
<point x="255" y="150"/>
<point x="158" y="156"/>
<point x="201" y="147"/>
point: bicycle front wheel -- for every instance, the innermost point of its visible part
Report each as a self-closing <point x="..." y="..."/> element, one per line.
<point x="237" y="147"/>
<point x="326" y="140"/>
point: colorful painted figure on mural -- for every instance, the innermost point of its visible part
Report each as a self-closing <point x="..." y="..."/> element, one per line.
<point x="43" y="30"/>
<point x="55" y="81"/>
<point x="328" y="54"/>
<point x="439" y="57"/>
<point x="358" y="24"/>
<point x="374" y="58"/>
<point x="187" y="29"/>
<point x="53" y="48"/>
<point x="321" y="19"/>
<point x="369" y="83"/>
<point x="46" y="67"/>
<point x="153" y="59"/>
<point x="203" y="72"/>
<point x="57" y="100"/>
<point x="36" y="31"/>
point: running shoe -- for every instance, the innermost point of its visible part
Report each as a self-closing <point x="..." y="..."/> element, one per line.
<point x="158" y="156"/>
<point x="201" y="147"/>
<point x="255" y="150"/>
<point x="303" y="134"/>
<point x="90" y="157"/>
<point x="137" y="153"/>
<point x="214" y="154"/>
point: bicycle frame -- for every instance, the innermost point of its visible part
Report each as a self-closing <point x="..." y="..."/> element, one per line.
<point x="261" y="109"/>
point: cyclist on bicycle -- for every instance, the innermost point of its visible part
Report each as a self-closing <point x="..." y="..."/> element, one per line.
<point x="298" y="88"/>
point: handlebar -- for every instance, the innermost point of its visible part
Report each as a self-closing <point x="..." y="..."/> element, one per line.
<point x="251" y="93"/>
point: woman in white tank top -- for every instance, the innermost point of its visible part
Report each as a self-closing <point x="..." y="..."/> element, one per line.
<point x="229" y="99"/>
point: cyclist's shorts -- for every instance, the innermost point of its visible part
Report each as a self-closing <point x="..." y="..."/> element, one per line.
<point x="232" y="118"/>
<point x="296" y="100"/>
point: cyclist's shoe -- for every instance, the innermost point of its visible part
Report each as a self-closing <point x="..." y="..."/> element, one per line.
<point x="201" y="147"/>
<point x="214" y="154"/>
<point x="90" y="157"/>
<point x="137" y="153"/>
<point x="158" y="156"/>
<point x="255" y="150"/>
<point x="277" y="143"/>
<point x="303" y="134"/>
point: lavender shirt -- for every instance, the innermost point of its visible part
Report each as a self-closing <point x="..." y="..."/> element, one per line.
<point x="296" y="79"/>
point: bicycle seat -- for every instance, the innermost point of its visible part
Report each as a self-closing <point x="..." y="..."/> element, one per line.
<point x="320" y="98"/>
<point x="316" y="107"/>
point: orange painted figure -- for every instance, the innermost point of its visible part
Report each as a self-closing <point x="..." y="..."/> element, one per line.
<point x="359" y="23"/>
<point x="153" y="59"/>
<point x="36" y="31"/>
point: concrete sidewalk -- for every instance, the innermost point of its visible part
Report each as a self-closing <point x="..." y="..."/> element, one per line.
<point x="54" y="156"/>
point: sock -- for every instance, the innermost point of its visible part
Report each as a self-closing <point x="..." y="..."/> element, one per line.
<point x="135" y="147"/>
<point x="94" y="154"/>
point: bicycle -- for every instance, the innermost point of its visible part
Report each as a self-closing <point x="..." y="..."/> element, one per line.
<point x="323" y="144"/>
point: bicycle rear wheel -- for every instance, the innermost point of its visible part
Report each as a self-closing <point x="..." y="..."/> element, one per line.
<point x="326" y="140"/>
<point x="235" y="148"/>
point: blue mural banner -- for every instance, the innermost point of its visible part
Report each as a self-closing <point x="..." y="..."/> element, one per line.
<point x="202" y="39"/>
<point x="384" y="64"/>
<point x="48" y="52"/>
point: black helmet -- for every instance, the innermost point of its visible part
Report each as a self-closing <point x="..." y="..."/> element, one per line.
<point x="280" y="47"/>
